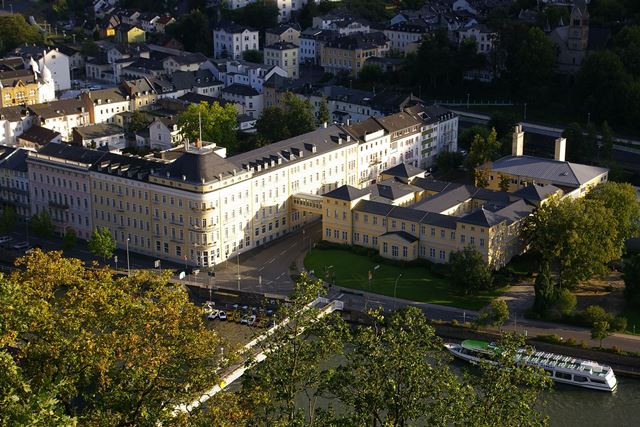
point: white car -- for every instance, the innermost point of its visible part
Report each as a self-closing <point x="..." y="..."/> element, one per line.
<point x="222" y="315"/>
<point x="244" y="320"/>
<point x="252" y="320"/>
<point x="213" y="315"/>
<point x="5" y="239"/>
<point x="20" y="246"/>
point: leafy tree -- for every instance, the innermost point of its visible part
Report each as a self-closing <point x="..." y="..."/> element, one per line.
<point x="631" y="276"/>
<point x="499" y="312"/>
<point x="600" y="331"/>
<point x="482" y="150"/>
<point x="89" y="48"/>
<point x="448" y="161"/>
<point x="386" y="379"/>
<point x="8" y="219"/>
<point x="575" y="237"/>
<point x="259" y="15"/>
<point x="42" y="225"/>
<point x="101" y="351"/>
<point x="626" y="44"/>
<point x="372" y="10"/>
<point x="480" y="177"/>
<point x="504" y="182"/>
<point x="323" y="112"/>
<point x="575" y="143"/>
<point x="254" y="56"/>
<point x="296" y="351"/>
<point x="565" y="302"/>
<point x="468" y="135"/>
<point x="600" y="85"/>
<point x="535" y="59"/>
<point x="14" y="31"/>
<point x="595" y="313"/>
<point x="506" y="393"/>
<point x="469" y="271"/>
<point x="102" y="243"/>
<point x="137" y="121"/>
<point x="192" y="30"/>
<point x="218" y="123"/>
<point x="606" y="149"/>
<point x="293" y="117"/>
<point x="544" y="290"/>
<point x="69" y="239"/>
<point x="371" y="73"/>
<point x="621" y="199"/>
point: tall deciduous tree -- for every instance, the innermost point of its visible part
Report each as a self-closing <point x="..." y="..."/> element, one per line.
<point x="576" y="238"/>
<point x="192" y="30"/>
<point x="102" y="243"/>
<point x="107" y="351"/>
<point x="323" y="112"/>
<point x="483" y="150"/>
<point x="14" y="31"/>
<point x="622" y="200"/>
<point x="293" y="117"/>
<point x="535" y="59"/>
<point x="469" y="271"/>
<point x="8" y="219"/>
<point x="600" y="331"/>
<point x="218" y="123"/>
<point x="42" y="225"/>
<point x="396" y="374"/>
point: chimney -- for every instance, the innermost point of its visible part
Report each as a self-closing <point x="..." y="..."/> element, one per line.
<point x="561" y="148"/>
<point x="517" y="146"/>
<point x="198" y="143"/>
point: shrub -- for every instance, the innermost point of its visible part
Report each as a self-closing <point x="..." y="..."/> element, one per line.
<point x="565" y="302"/>
<point x="595" y="313"/>
<point x="619" y="323"/>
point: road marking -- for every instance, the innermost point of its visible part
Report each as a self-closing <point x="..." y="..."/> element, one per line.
<point x="261" y="268"/>
<point x="271" y="260"/>
<point x="340" y="296"/>
<point x="283" y="252"/>
<point x="279" y="276"/>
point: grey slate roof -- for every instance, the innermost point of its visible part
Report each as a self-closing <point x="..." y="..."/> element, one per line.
<point x="73" y="153"/>
<point x="198" y="167"/>
<point x="39" y="135"/>
<point x="559" y="173"/>
<point x="243" y="90"/>
<point x="375" y="208"/>
<point x="98" y="131"/>
<point x="13" y="158"/>
<point x="403" y="170"/>
<point x="536" y="193"/>
<point x="346" y="192"/>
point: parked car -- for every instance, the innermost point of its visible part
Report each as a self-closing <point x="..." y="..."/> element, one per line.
<point x="20" y="246"/>
<point x="252" y="320"/>
<point x="244" y="320"/>
<point x="213" y="315"/>
<point x="222" y="315"/>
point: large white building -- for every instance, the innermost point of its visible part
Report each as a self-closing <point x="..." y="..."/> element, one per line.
<point x="204" y="208"/>
<point x="53" y="58"/>
<point x="230" y="40"/>
<point x="14" y="121"/>
<point x="245" y="73"/>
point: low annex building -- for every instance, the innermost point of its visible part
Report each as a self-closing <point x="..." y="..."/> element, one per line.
<point x="407" y="215"/>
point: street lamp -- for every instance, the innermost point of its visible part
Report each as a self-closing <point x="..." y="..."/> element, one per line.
<point x="394" y="291"/>
<point x="128" y="265"/>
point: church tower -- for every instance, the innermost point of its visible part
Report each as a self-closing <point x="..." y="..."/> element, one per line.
<point x="579" y="27"/>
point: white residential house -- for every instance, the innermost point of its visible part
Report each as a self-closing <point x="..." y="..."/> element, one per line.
<point x="282" y="33"/>
<point x="61" y="116"/>
<point x="14" y="120"/>
<point x="103" y="105"/>
<point x="187" y="62"/>
<point x="406" y="37"/>
<point x="341" y="21"/>
<point x="53" y="58"/>
<point x="230" y="40"/>
<point x="100" y="136"/>
<point x="285" y="56"/>
<point x="164" y="133"/>
<point x="231" y="72"/>
<point x="250" y="99"/>
<point x="481" y="34"/>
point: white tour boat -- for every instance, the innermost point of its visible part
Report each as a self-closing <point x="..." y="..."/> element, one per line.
<point x="561" y="369"/>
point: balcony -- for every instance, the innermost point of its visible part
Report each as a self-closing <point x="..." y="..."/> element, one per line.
<point x="201" y="209"/>
<point x="201" y="229"/>
<point x="56" y="205"/>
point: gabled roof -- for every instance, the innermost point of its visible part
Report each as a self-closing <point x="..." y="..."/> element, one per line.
<point x="198" y="167"/>
<point x="98" y="131"/>
<point x="279" y="29"/>
<point x="558" y="173"/>
<point x="232" y="27"/>
<point x="243" y="90"/>
<point x="402" y="235"/>
<point x="72" y="153"/>
<point x="403" y="170"/>
<point x="346" y="192"/>
<point x="482" y="217"/>
<point x="536" y="193"/>
<point x="39" y="135"/>
<point x="13" y="158"/>
<point x="60" y="108"/>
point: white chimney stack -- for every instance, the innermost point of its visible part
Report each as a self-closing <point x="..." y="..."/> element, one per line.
<point x="517" y="146"/>
<point x="560" y="150"/>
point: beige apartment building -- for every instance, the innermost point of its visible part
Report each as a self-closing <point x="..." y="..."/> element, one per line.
<point x="285" y="56"/>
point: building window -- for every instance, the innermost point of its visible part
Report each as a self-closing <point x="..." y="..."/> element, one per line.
<point x="394" y="251"/>
<point x="481" y="243"/>
<point x="462" y="238"/>
<point x="384" y="247"/>
<point x="405" y="252"/>
<point x="432" y="252"/>
<point x="327" y="232"/>
<point x="442" y="255"/>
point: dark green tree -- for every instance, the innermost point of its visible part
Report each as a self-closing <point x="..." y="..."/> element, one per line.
<point x="621" y="199"/>
<point x="482" y="150"/>
<point x="14" y="31"/>
<point x="576" y="144"/>
<point x="42" y="225"/>
<point x="293" y="117"/>
<point x="272" y="124"/>
<point x="323" y="112"/>
<point x="448" y="161"/>
<point x="192" y="30"/>
<point x="600" y="331"/>
<point x="606" y="147"/>
<point x="534" y="61"/>
<point x="631" y="276"/>
<point x="69" y="239"/>
<point x="137" y="121"/>
<point x="254" y="56"/>
<point x="469" y="271"/>
<point x="218" y="123"/>
<point x="8" y="219"/>
<point x="544" y="290"/>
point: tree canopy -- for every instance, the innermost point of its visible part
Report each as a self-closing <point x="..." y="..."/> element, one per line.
<point x="80" y="345"/>
<point x="293" y="117"/>
<point x="469" y="271"/>
<point x="192" y="30"/>
<point x="218" y="123"/>
<point x="102" y="244"/>
<point x="14" y="31"/>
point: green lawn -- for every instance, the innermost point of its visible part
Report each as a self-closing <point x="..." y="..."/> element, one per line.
<point x="416" y="283"/>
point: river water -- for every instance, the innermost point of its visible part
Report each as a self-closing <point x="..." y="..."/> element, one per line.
<point x="569" y="406"/>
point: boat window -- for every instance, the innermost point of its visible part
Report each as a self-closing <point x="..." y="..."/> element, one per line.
<point x="563" y="375"/>
<point x="593" y="380"/>
<point x="580" y="378"/>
